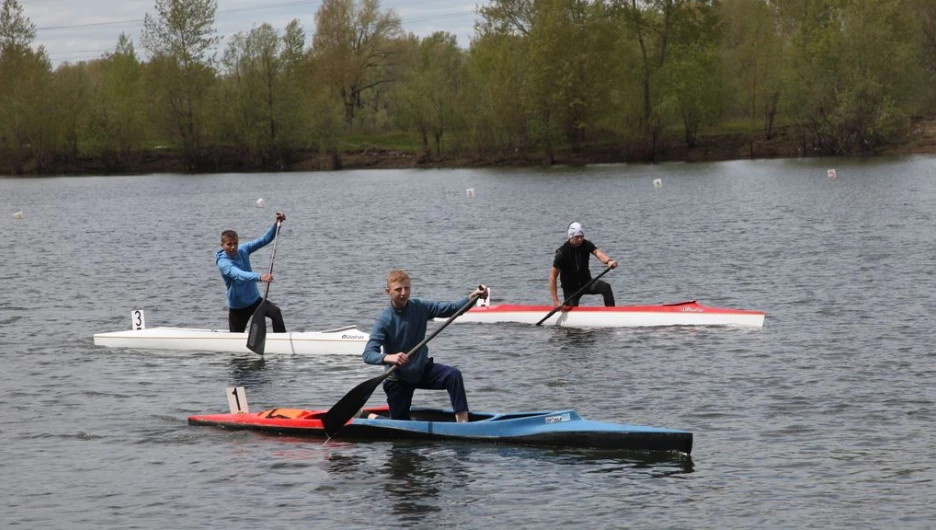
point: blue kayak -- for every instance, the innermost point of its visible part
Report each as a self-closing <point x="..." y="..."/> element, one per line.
<point x="560" y="428"/>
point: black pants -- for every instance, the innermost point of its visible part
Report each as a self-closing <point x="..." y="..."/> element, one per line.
<point x="238" y="318"/>
<point x="598" y="287"/>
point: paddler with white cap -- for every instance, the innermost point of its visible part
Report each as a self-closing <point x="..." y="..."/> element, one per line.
<point x="570" y="265"/>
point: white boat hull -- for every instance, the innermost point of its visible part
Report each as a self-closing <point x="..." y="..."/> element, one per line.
<point x="343" y="341"/>
<point x="689" y="313"/>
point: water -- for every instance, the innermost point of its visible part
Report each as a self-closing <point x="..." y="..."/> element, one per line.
<point x="822" y="419"/>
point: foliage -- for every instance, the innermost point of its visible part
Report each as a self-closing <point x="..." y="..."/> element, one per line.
<point x="852" y="76"/>
<point x="353" y="48"/>
<point x="263" y="99"/>
<point x="541" y="78"/>
<point x="428" y="99"/>
<point x="753" y="47"/>
<point x="179" y="37"/>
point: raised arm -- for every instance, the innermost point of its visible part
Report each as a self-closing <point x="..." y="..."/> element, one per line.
<point x="267" y="238"/>
<point x="256" y="244"/>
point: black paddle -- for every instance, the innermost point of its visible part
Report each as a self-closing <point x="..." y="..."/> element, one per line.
<point x="353" y="401"/>
<point x="586" y="286"/>
<point x="256" y="337"/>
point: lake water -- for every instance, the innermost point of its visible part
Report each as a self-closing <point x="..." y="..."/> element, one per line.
<point x="822" y="419"/>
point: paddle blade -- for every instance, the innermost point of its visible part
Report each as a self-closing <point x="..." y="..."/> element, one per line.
<point x="256" y="336"/>
<point x="551" y="313"/>
<point x="349" y="405"/>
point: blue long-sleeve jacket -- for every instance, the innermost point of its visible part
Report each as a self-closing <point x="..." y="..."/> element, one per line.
<point x="401" y="330"/>
<point x="239" y="277"/>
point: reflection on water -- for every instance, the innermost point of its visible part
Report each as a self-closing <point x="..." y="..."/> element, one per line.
<point x="414" y="474"/>
<point x="412" y="480"/>
<point x="576" y="338"/>
<point x="653" y="463"/>
<point x="248" y="371"/>
<point x="345" y="464"/>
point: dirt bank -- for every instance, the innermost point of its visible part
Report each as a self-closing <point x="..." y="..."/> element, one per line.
<point x="712" y="147"/>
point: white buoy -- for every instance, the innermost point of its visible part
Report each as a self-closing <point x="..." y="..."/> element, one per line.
<point x="658" y="183"/>
<point x="831" y="174"/>
<point x="261" y="203"/>
<point x="19" y="215"/>
<point x="470" y="192"/>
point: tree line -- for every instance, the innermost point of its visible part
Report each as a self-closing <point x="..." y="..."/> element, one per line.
<point x="539" y="76"/>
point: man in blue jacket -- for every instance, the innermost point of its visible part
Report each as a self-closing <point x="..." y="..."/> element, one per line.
<point x="243" y="297"/>
<point x="398" y="329"/>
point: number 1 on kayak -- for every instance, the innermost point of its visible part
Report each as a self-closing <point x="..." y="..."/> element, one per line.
<point x="237" y="400"/>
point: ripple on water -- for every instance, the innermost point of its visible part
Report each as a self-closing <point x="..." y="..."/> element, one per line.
<point x="822" y="419"/>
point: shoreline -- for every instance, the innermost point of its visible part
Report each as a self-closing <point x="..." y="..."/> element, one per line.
<point x="921" y="139"/>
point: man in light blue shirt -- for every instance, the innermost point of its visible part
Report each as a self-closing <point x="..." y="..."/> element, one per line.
<point x="243" y="297"/>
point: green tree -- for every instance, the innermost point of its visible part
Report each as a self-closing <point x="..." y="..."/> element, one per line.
<point x="923" y="12"/>
<point x="853" y="75"/>
<point x="118" y="124"/>
<point x="429" y="97"/>
<point x="67" y="108"/>
<point x="294" y="112"/>
<point x="16" y="31"/>
<point x="657" y="26"/>
<point x="496" y="122"/>
<point x="353" y="48"/>
<point x="693" y="80"/>
<point x="327" y="121"/>
<point x="566" y="83"/>
<point x="753" y="50"/>
<point x="179" y="37"/>
<point x="262" y="73"/>
<point x="24" y="79"/>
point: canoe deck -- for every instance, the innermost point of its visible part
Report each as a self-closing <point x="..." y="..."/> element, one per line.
<point x="688" y="313"/>
<point x="563" y="428"/>
<point x="341" y="341"/>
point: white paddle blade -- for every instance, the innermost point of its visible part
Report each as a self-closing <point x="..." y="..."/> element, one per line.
<point x="237" y="400"/>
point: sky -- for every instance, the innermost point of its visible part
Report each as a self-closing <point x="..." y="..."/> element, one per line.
<point x="79" y="30"/>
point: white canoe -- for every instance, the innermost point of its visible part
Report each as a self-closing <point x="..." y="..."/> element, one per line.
<point x="341" y="341"/>
<point x="689" y="313"/>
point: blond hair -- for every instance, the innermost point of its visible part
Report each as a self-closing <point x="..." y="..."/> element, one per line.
<point x="397" y="275"/>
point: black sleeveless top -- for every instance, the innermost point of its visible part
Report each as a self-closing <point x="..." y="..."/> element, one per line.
<point x="572" y="263"/>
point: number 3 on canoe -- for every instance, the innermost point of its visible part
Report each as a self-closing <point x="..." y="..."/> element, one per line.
<point x="137" y="320"/>
<point x="237" y="400"/>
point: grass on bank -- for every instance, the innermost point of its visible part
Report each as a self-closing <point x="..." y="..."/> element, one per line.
<point x="394" y="141"/>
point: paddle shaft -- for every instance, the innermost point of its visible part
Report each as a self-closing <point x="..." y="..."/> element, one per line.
<point x="353" y="401"/>
<point x="256" y="335"/>
<point x="580" y="291"/>
<point x="272" y="257"/>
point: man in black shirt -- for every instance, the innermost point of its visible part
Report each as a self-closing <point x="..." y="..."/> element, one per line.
<point x="571" y="265"/>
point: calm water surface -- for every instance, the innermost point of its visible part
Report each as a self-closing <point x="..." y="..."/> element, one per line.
<point x="823" y="419"/>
